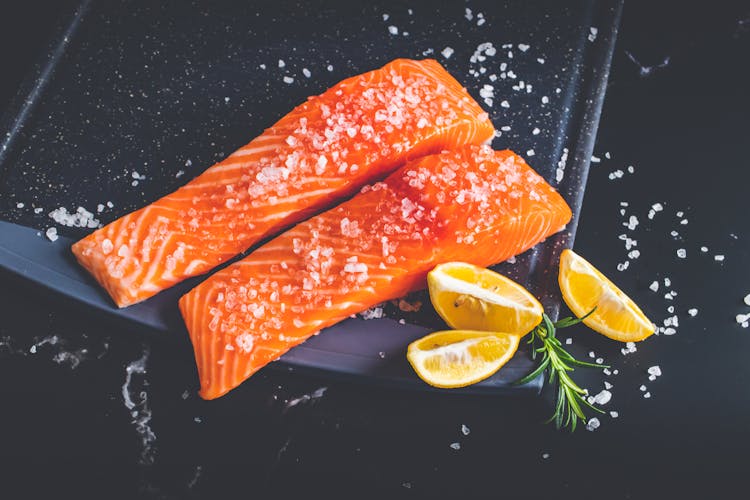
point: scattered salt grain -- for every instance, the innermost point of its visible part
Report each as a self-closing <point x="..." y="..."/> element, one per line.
<point x="19" y="205"/>
<point x="329" y="67"/>
<point x="595" y="159"/>
<point x="719" y="258"/>
<point x="393" y="30"/>
<point x="262" y="66"/>
<point x="456" y="446"/>
<point x="545" y="99"/>
<point x="505" y="104"/>
<point x="647" y="395"/>
<point x="681" y="253"/>
<point x="742" y="319"/>
<point x="530" y="152"/>
<point x="607" y="385"/>
<point x="447" y="52"/>
<point x="693" y="312"/>
<point x="617" y="174"/>
<point x="385" y="17"/>
<point x="545" y="456"/>
<point x="669" y="331"/>
<point x="599" y="361"/>
<point x="38" y="210"/>
<point x="281" y="63"/>
<point x="51" y="234"/>
<point x="629" y="348"/>
<point x="468" y="15"/>
<point x="568" y="341"/>
<point x="179" y="174"/>
<point x="540" y="60"/>
<point x="288" y="80"/>
<point x="631" y="169"/>
<point x="614" y="414"/>
<point x="746" y="300"/>
<point x="465" y="430"/>
<point x="643" y="388"/>
<point x="306" y="72"/>
<point x="535" y="131"/>
<point x="654" y="370"/>
<point x="603" y="397"/>
<point x="704" y="249"/>
<point x="372" y="313"/>
<point x="606" y="371"/>
<point x="593" y="31"/>
<point x="632" y="223"/>
<point x="592" y="354"/>
<point x="523" y="47"/>
<point x="592" y="424"/>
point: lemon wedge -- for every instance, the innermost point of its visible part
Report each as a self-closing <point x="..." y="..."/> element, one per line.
<point x="457" y="358"/>
<point x="468" y="297"/>
<point x="616" y="316"/>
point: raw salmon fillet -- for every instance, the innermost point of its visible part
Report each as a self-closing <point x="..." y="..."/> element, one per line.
<point x="325" y="149"/>
<point x="472" y="204"/>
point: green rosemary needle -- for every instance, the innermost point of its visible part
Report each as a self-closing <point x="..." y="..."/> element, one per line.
<point x="570" y="397"/>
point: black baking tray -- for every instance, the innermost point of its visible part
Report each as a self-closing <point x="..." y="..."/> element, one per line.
<point x="162" y="90"/>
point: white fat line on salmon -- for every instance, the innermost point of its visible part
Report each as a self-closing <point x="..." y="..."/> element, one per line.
<point x="137" y="404"/>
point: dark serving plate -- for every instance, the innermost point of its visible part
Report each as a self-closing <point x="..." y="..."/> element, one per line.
<point x="132" y="99"/>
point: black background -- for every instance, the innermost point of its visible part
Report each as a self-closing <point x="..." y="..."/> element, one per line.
<point x="684" y="129"/>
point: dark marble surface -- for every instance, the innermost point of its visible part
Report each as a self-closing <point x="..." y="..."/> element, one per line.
<point x="92" y="410"/>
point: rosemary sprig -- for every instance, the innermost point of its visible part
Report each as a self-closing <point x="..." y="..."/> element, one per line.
<point x="570" y="397"/>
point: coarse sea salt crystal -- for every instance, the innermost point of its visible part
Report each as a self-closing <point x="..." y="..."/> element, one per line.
<point x="545" y="456"/>
<point x="535" y="131"/>
<point x="523" y="47"/>
<point x="447" y="52"/>
<point x="530" y="152"/>
<point x="681" y="253"/>
<point x="505" y="104"/>
<point x="306" y="72"/>
<point x="704" y="249"/>
<point x="51" y="234"/>
<point x="288" y="80"/>
<point x="607" y="385"/>
<point x="393" y="30"/>
<point x="603" y="397"/>
<point x="647" y="395"/>
<point x="614" y="414"/>
<point x="455" y="446"/>
<point x="693" y="312"/>
<point x="746" y="300"/>
<point x="592" y="424"/>
<point x="465" y="430"/>
<point x="654" y="370"/>
<point x="281" y="63"/>
<point x="19" y="205"/>
<point x="719" y="258"/>
<point x="545" y="99"/>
